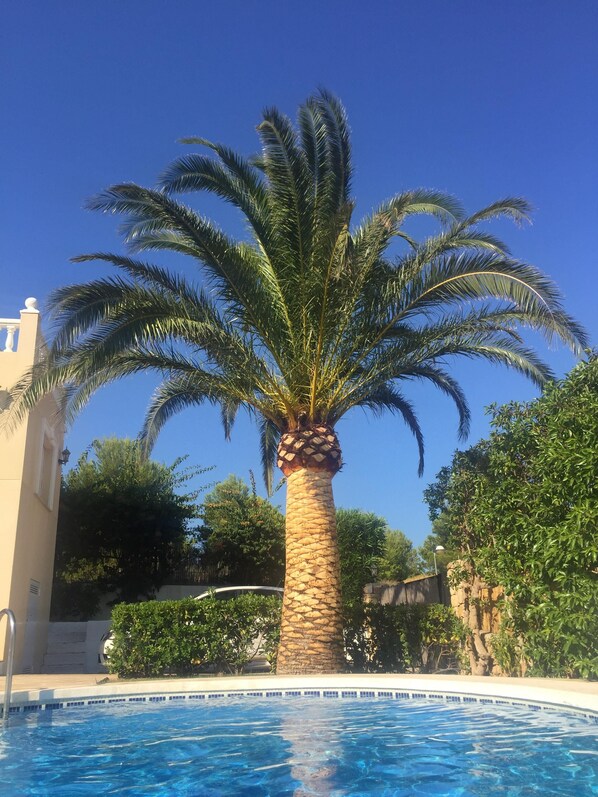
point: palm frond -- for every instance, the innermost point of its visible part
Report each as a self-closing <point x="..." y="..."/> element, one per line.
<point x="228" y="414"/>
<point x="269" y="436"/>
<point x="516" y="208"/>
<point x="233" y="179"/>
<point x="387" y="398"/>
<point x="289" y="190"/>
<point x="450" y="387"/>
<point x="173" y="396"/>
<point x="456" y="279"/>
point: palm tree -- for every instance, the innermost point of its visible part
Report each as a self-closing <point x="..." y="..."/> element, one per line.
<point x="307" y="319"/>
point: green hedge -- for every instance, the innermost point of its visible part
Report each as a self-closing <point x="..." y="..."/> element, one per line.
<point x="188" y="636"/>
<point x="405" y="638"/>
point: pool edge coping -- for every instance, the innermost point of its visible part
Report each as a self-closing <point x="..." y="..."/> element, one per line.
<point x="555" y="695"/>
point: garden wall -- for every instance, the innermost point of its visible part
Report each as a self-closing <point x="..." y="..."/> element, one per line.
<point x="419" y="589"/>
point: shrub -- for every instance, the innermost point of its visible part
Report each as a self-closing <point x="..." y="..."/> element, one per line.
<point x="507" y="651"/>
<point x="189" y="636"/>
<point x="522" y="509"/>
<point x="405" y="638"/>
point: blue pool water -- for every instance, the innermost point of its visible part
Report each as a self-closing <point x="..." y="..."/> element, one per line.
<point x="300" y="747"/>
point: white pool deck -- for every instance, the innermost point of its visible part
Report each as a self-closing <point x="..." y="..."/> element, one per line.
<point x="576" y="694"/>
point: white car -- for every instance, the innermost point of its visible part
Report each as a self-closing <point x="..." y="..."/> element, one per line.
<point x="236" y="591"/>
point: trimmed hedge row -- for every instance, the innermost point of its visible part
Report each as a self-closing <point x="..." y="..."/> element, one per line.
<point x="188" y="637"/>
<point x="405" y="638"/>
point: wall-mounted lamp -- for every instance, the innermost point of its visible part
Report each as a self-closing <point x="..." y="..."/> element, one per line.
<point x="64" y="457"/>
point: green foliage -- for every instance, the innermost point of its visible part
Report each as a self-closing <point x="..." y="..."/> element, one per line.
<point x="436" y="495"/>
<point x="398" y="560"/>
<point x="405" y="638"/>
<point x="453" y="494"/>
<point x="243" y="535"/>
<point x="370" y="551"/>
<point x="524" y="508"/>
<point x="541" y="503"/>
<point x="187" y="637"/>
<point x="507" y="652"/>
<point x="360" y="541"/>
<point x="123" y="524"/>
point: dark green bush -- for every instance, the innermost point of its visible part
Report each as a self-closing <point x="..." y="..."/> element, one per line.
<point x="405" y="638"/>
<point x="189" y="636"/>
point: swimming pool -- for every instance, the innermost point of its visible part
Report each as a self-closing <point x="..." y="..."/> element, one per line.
<point x="297" y="742"/>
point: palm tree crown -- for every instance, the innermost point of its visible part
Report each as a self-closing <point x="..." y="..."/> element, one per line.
<point x="310" y="317"/>
<point x="306" y="319"/>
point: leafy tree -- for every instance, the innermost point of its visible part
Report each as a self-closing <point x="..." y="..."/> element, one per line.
<point x="123" y="521"/>
<point x="451" y="499"/>
<point x="540" y="503"/>
<point x="243" y="535"/>
<point x="360" y="541"/>
<point x="307" y="319"/>
<point x="531" y="522"/>
<point x="448" y="499"/>
<point x="399" y="559"/>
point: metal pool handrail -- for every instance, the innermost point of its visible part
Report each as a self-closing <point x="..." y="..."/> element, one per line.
<point x="12" y="630"/>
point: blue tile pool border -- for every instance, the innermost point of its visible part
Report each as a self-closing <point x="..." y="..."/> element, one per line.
<point x="54" y="704"/>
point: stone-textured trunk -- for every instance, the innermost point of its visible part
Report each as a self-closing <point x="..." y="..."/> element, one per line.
<point x="480" y="656"/>
<point x="475" y="604"/>
<point x="311" y="636"/>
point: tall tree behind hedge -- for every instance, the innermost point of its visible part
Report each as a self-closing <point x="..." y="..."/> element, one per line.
<point x="399" y="559"/>
<point x="533" y="524"/>
<point x="361" y="543"/>
<point x="124" y="521"/>
<point x="243" y="535"/>
<point x="449" y="498"/>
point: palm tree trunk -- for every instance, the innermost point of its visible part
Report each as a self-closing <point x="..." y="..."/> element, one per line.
<point x="311" y="634"/>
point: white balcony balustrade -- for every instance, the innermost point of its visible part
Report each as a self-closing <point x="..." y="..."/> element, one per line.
<point x="11" y="327"/>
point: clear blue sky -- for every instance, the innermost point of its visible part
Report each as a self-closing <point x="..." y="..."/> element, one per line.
<point x="481" y="99"/>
